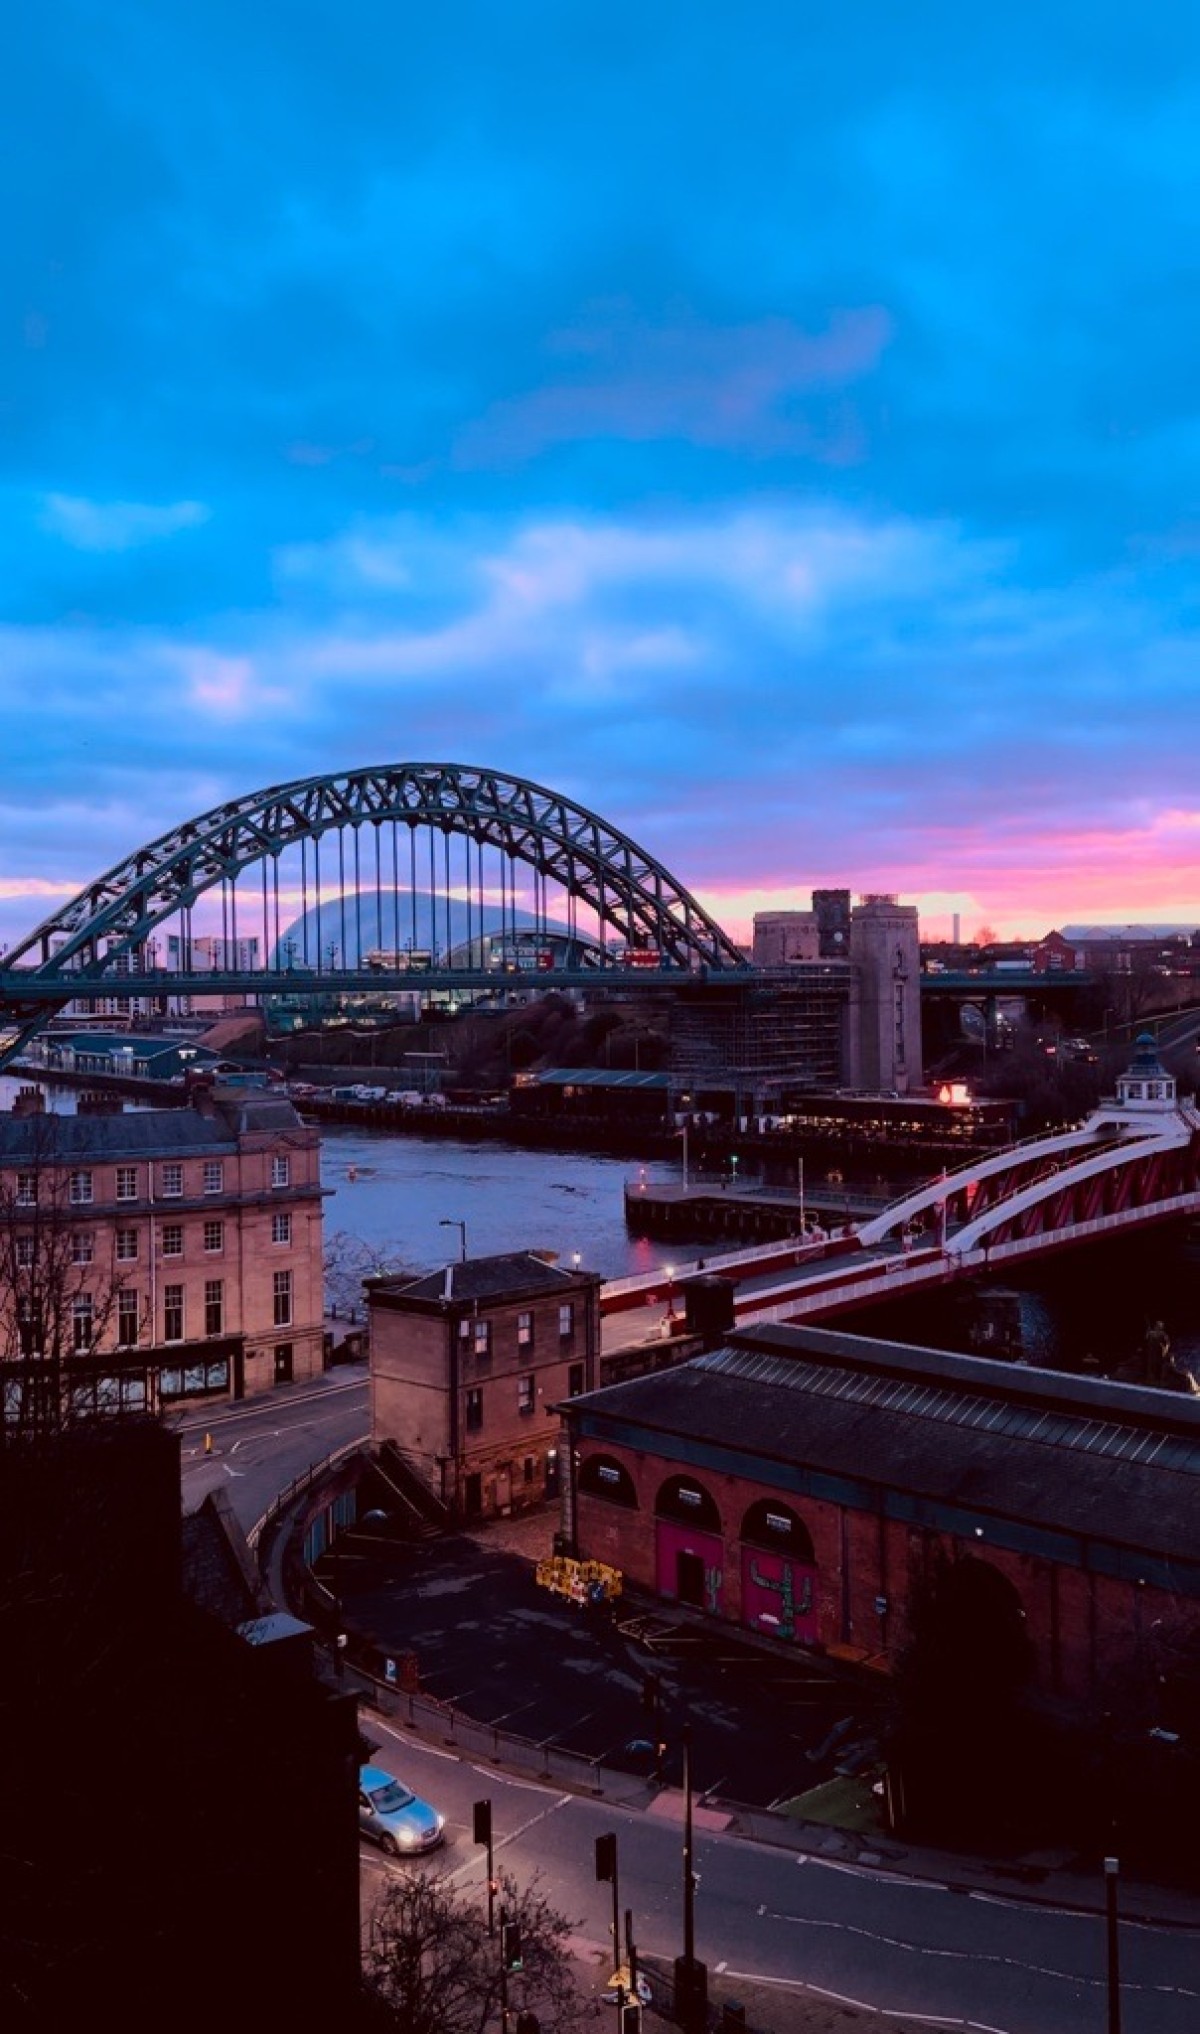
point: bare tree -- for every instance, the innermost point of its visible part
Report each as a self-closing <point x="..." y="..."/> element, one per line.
<point x="349" y="1261"/>
<point x="63" y="1293"/>
<point x="431" y="1967"/>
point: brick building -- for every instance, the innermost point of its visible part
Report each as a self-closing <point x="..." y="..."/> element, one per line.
<point x="193" y="1232"/>
<point x="468" y="1366"/>
<point x="797" y="1482"/>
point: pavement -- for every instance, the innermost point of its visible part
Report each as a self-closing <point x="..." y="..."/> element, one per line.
<point x="466" y="1616"/>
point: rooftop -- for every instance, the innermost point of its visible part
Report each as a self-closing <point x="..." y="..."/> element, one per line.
<point x="480" y="1278"/>
<point x="1083" y="1456"/>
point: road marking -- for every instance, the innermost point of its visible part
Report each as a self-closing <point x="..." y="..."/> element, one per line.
<point x="754" y="1977"/>
<point x="505" y="1780"/>
<point x="975" y="1956"/>
<point x="415" y="1743"/>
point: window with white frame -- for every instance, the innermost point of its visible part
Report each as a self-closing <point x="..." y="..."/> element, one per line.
<point x="214" y="1306"/>
<point x="566" y="1322"/>
<point x="172" y="1181"/>
<point x="282" y="1294"/>
<point x="24" y="1252"/>
<point x="27" y="1189"/>
<point x="214" y="1237"/>
<point x="214" y="1176"/>
<point x="172" y="1239"/>
<point x="82" y="1321"/>
<point x="281" y="1228"/>
<point x="127" y="1245"/>
<point x="281" y="1172"/>
<point x="525" y="1331"/>
<point x="127" y="1182"/>
<point x="481" y="1337"/>
<point x="127" y="1320"/>
<point x="526" y="1395"/>
<point x="80" y="1189"/>
<point x="83" y="1246"/>
<point x="172" y="1313"/>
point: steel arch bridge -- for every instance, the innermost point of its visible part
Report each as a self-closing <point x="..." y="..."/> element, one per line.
<point x="435" y="860"/>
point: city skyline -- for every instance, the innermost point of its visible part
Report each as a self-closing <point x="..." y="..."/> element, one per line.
<point x="777" y="443"/>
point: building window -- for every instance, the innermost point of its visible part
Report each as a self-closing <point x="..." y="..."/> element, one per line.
<point x="127" y="1182"/>
<point x="214" y="1306"/>
<point x="27" y="1190"/>
<point x="524" y="1331"/>
<point x="474" y="1411"/>
<point x="127" y="1320"/>
<point x="281" y="1172"/>
<point x="530" y="1468"/>
<point x="566" y="1322"/>
<point x="214" y="1236"/>
<point x="127" y="1245"/>
<point x="172" y="1239"/>
<point x="574" y="1380"/>
<point x="172" y="1181"/>
<point x="80" y="1188"/>
<point x="214" y="1176"/>
<point x="24" y="1252"/>
<point x="283" y="1299"/>
<point x="526" y="1395"/>
<point x="172" y="1313"/>
<point x="81" y="1321"/>
<point x="82" y="1246"/>
<point x="482" y="1339"/>
<point x="281" y="1228"/>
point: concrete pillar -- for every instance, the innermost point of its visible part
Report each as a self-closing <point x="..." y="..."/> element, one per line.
<point x="886" y="958"/>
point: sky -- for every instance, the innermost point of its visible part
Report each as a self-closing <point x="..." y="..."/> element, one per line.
<point x="776" y="429"/>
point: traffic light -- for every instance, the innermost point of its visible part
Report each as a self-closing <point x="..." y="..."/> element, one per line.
<point x="606" y="1857"/>
<point x="483" y="1822"/>
<point x="510" y="1946"/>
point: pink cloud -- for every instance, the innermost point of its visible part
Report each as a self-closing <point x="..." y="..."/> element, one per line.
<point x="731" y="387"/>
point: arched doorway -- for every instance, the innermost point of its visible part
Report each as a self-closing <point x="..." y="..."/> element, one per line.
<point x="779" y="1574"/>
<point x="689" y="1547"/>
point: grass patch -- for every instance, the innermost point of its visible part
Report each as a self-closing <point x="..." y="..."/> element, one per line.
<point x="841" y="1803"/>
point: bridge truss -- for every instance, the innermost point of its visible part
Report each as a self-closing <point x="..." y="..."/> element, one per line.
<point x="436" y="865"/>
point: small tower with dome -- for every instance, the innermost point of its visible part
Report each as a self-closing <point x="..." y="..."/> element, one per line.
<point x="1145" y="1084"/>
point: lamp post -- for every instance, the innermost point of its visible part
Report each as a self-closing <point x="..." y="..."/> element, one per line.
<point x="1111" y="1869"/>
<point x="670" y="1271"/>
<point x="691" y="1978"/>
<point x="448" y="1222"/>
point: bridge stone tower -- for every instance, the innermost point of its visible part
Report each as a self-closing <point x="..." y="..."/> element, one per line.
<point x="884" y="1016"/>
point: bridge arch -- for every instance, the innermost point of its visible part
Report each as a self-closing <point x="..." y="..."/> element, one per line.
<point x="626" y="890"/>
<point x="363" y="845"/>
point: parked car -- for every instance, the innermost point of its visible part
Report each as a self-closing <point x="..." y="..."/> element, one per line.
<point x="394" y="1817"/>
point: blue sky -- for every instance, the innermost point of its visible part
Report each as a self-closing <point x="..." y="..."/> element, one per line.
<point x="775" y="429"/>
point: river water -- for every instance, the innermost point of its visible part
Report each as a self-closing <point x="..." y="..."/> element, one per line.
<point x="394" y="1193"/>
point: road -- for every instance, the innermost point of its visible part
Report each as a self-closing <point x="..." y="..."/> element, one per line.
<point x="965" y="1959"/>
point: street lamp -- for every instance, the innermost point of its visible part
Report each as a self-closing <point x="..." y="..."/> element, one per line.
<point x="448" y="1222"/>
<point x="670" y="1271"/>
